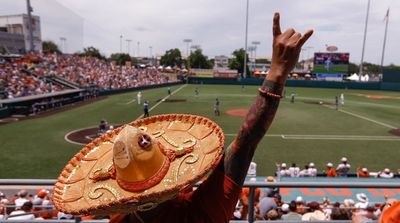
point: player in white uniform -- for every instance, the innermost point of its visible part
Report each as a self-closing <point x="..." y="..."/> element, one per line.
<point x="343" y="168"/>
<point x="284" y="172"/>
<point x="313" y="171"/>
<point x="294" y="170"/>
<point x="139" y="97"/>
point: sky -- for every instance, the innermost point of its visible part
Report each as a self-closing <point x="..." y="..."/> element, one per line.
<point x="217" y="26"/>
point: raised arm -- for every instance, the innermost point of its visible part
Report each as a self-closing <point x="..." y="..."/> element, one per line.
<point x="286" y="49"/>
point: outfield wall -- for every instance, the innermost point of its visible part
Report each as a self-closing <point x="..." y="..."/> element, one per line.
<point x="302" y="83"/>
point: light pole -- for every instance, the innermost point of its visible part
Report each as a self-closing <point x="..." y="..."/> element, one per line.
<point x="30" y="9"/>
<point x="308" y="48"/>
<point x="62" y="44"/>
<point x="251" y="49"/>
<point x="365" y="38"/>
<point x="138" y="49"/>
<point x="128" y="46"/>
<point x="245" y="40"/>
<point x="151" y="54"/>
<point x="187" y="41"/>
<point x="255" y="43"/>
<point x="120" y="44"/>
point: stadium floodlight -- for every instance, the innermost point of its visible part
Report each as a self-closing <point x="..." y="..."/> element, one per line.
<point x="128" y="46"/>
<point x="120" y="43"/>
<point x="138" y="48"/>
<point x="195" y="47"/>
<point x="151" y="54"/>
<point x="187" y="41"/>
<point x="364" y="40"/>
<point x="255" y="43"/>
<point x="62" y="44"/>
<point x="245" y="40"/>
<point x="30" y="10"/>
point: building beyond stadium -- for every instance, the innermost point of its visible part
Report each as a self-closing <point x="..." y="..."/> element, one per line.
<point x="14" y="33"/>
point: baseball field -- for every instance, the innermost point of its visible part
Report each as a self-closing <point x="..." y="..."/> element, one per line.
<point x="308" y="130"/>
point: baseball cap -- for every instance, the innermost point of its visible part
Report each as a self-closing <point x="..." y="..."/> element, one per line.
<point x="311" y="165"/>
<point x="344" y="159"/>
<point x="283" y="165"/>
<point x="285" y="207"/>
<point x="329" y="165"/>
<point x="313" y="205"/>
<point x="42" y="193"/>
<point x="299" y="199"/>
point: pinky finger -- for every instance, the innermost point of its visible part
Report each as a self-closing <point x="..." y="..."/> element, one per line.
<point x="305" y="37"/>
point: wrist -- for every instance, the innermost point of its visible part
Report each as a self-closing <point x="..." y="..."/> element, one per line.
<point x="277" y="75"/>
<point x="272" y="86"/>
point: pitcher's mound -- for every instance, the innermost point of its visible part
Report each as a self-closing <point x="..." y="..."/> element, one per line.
<point x="395" y="132"/>
<point x="241" y="112"/>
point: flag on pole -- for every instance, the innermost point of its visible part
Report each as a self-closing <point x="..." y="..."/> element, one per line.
<point x="387" y="15"/>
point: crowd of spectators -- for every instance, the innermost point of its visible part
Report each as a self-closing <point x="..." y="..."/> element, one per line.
<point x="15" y="83"/>
<point x="268" y="205"/>
<point x="83" y="71"/>
<point x="91" y="71"/>
<point x="25" y="206"/>
<point x="342" y="170"/>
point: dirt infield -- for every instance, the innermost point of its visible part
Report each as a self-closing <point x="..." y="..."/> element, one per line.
<point x="84" y="136"/>
<point x="395" y="132"/>
<point x="53" y="111"/>
<point x="241" y="112"/>
<point x="376" y="96"/>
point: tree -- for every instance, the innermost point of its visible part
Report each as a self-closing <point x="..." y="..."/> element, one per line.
<point x="353" y="68"/>
<point x="120" y="58"/>
<point x="172" y="58"/>
<point x="50" y="47"/>
<point x="198" y="60"/>
<point x="237" y="63"/>
<point x="91" y="52"/>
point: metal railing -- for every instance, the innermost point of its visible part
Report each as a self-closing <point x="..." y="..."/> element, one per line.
<point x="252" y="186"/>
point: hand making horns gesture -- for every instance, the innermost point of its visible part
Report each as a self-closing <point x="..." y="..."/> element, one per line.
<point x="286" y="49"/>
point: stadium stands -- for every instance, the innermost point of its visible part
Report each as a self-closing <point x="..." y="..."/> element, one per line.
<point x="270" y="207"/>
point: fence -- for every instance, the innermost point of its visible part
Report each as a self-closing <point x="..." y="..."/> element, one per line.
<point x="252" y="186"/>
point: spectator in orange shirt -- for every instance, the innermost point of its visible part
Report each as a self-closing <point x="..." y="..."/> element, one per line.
<point x="245" y="198"/>
<point x="330" y="171"/>
<point x="362" y="172"/>
<point x="246" y="192"/>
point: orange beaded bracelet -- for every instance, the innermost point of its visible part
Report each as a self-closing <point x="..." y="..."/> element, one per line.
<point x="265" y="93"/>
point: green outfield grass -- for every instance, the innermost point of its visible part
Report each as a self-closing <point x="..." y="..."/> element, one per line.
<point x="301" y="132"/>
<point x="334" y="69"/>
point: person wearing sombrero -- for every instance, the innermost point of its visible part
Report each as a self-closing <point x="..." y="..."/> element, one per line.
<point x="144" y="171"/>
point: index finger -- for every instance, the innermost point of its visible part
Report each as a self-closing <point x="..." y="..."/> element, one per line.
<point x="276" y="28"/>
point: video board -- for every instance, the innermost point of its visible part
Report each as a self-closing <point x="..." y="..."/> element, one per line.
<point x="331" y="63"/>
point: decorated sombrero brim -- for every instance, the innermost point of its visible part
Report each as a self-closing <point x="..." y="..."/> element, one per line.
<point x="89" y="184"/>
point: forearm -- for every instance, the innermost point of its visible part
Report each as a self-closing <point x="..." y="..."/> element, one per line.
<point x="255" y="124"/>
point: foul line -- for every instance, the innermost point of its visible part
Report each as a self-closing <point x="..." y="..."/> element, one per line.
<point x="131" y="101"/>
<point x="162" y="100"/>
<point x="368" y="119"/>
<point x="331" y="137"/>
<point x="363" y="117"/>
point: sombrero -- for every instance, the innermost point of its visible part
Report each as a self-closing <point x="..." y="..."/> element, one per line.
<point x="139" y="165"/>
